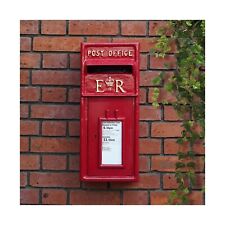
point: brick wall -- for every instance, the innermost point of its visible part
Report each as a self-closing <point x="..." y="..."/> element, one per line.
<point x="49" y="143"/>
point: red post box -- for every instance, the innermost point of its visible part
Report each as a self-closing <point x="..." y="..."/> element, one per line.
<point x="109" y="111"/>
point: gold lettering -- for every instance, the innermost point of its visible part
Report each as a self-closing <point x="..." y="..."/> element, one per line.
<point x="110" y="53"/>
<point x="125" y="53"/>
<point x="98" y="86"/>
<point x="119" y="84"/>
<point x="89" y="52"/>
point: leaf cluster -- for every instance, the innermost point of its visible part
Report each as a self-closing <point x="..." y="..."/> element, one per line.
<point x="188" y="86"/>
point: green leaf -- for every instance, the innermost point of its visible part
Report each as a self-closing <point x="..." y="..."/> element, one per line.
<point x="180" y="141"/>
<point x="186" y="190"/>
<point x="169" y="87"/>
<point x="180" y="165"/>
<point x="191" y="164"/>
<point x="191" y="154"/>
<point x="157" y="80"/>
<point x="181" y="155"/>
<point x="188" y="86"/>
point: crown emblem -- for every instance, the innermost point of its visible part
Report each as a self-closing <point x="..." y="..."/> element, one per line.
<point x="109" y="82"/>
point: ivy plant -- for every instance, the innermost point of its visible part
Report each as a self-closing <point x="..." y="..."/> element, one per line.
<point x="188" y="86"/>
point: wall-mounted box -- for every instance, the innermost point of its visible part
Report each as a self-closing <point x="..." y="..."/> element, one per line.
<point x="109" y="111"/>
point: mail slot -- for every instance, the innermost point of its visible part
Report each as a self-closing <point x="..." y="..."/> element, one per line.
<point x="109" y="111"/>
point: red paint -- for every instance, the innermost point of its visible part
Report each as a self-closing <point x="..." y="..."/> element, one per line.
<point x="117" y="100"/>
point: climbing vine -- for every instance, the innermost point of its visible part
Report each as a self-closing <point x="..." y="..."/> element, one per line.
<point x="188" y="86"/>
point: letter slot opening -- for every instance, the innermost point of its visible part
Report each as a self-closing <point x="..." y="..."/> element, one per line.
<point x="127" y="69"/>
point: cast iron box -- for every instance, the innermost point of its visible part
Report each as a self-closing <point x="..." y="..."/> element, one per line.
<point x="109" y="111"/>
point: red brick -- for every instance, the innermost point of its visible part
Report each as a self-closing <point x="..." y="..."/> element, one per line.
<point x="146" y="78"/>
<point x="25" y="43"/>
<point x="143" y="62"/>
<point x="29" y="27"/>
<point x="200" y="181"/>
<point x="164" y="95"/>
<point x="74" y="162"/>
<point x="149" y="146"/>
<point x="99" y="39"/>
<point x="142" y="95"/>
<point x="54" y="162"/>
<point x="143" y="129"/>
<point x="75" y="61"/>
<point x="28" y="127"/>
<point x="155" y="26"/>
<point x="29" y="196"/>
<point x="196" y="198"/>
<point x="135" y="198"/>
<point x="52" y="60"/>
<point x="83" y="197"/>
<point x="168" y="76"/>
<point x="168" y="163"/>
<point x="30" y="60"/>
<point x="163" y="163"/>
<point x="51" y="77"/>
<point x="43" y="144"/>
<point x="54" y="197"/>
<point x="29" y="162"/>
<point x="144" y="163"/>
<point x="94" y="185"/>
<point x="146" y="181"/>
<point x="23" y="179"/>
<point x="199" y="147"/>
<point x="146" y="44"/>
<point x="166" y="129"/>
<point x="53" y="128"/>
<point x="171" y="147"/>
<point x="69" y="44"/>
<point x="24" y="77"/>
<point x="24" y="144"/>
<point x="31" y="94"/>
<point x="161" y="197"/>
<point x="149" y="113"/>
<point x="168" y="62"/>
<point x="54" y="179"/>
<point x="74" y="128"/>
<point x="53" y="27"/>
<point x="53" y="94"/>
<point x="24" y="111"/>
<point x="133" y="28"/>
<point x="169" y="181"/>
<point x="171" y="114"/>
<point x="88" y="27"/>
<point x="55" y="111"/>
<point x="74" y="95"/>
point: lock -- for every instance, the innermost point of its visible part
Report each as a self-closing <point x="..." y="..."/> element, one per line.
<point x="109" y="111"/>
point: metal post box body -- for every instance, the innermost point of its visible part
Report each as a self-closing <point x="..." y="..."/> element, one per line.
<point x="109" y="111"/>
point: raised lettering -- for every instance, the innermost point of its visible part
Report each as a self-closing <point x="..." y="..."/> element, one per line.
<point x="89" y="52"/>
<point x="98" y="86"/>
<point x="119" y="84"/>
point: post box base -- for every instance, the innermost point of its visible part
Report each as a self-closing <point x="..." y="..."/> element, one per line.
<point x="109" y="179"/>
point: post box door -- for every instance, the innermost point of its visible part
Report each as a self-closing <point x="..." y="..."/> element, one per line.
<point x="109" y="111"/>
